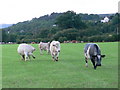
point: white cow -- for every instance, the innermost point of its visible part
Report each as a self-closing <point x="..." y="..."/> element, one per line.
<point x="55" y="50"/>
<point x="44" y="46"/>
<point x="26" y="51"/>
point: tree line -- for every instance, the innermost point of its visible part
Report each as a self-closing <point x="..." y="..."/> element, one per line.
<point x="63" y="27"/>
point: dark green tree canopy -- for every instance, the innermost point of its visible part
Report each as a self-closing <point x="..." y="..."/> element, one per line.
<point x="116" y="19"/>
<point x="70" y="19"/>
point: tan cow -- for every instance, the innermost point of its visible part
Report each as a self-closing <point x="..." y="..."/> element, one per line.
<point x="44" y="46"/>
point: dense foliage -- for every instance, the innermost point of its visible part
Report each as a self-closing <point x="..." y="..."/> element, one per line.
<point x="70" y="20"/>
<point x="64" y="26"/>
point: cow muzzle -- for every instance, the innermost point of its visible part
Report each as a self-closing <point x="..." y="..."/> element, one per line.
<point x="98" y="64"/>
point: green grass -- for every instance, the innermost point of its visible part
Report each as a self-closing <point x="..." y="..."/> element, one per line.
<point x="68" y="72"/>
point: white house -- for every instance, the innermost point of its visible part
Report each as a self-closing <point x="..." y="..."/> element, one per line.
<point x="105" y="20"/>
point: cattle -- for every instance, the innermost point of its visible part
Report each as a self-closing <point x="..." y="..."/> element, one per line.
<point x="55" y="50"/>
<point x="44" y="46"/>
<point x="26" y="51"/>
<point x="92" y="51"/>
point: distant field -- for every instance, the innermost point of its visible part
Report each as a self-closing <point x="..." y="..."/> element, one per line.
<point x="68" y="72"/>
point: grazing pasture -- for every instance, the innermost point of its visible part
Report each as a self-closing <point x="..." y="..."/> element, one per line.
<point x="68" y="72"/>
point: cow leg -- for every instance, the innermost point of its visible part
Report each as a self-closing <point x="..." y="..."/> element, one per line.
<point x="56" y="58"/>
<point x="94" y="63"/>
<point x="47" y="51"/>
<point x="26" y="56"/>
<point x="41" y="52"/>
<point x="86" y="62"/>
<point x="53" y="58"/>
<point x="29" y="57"/>
<point x="31" y="54"/>
<point x="23" y="57"/>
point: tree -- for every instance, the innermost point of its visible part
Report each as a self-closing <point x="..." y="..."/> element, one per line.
<point x="70" y="19"/>
<point x="12" y="38"/>
<point x="116" y="19"/>
<point x="70" y="34"/>
<point x="62" y="39"/>
<point x="4" y="36"/>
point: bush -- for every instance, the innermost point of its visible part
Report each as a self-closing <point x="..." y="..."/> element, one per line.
<point x="79" y="39"/>
<point x="70" y="34"/>
<point x="62" y="39"/>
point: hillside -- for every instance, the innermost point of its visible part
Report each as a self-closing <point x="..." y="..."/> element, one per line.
<point x="45" y="28"/>
<point x="46" y="21"/>
<point x="105" y="15"/>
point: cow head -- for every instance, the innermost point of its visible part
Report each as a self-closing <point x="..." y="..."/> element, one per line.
<point x="57" y="47"/>
<point x="98" y="59"/>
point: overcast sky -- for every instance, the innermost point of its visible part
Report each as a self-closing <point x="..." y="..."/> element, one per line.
<point x="13" y="11"/>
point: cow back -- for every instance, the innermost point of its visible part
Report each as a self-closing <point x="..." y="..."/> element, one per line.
<point x="92" y="49"/>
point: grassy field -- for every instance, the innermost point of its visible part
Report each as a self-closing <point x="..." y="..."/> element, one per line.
<point x="68" y="72"/>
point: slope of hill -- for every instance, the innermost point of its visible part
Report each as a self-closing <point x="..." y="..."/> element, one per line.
<point x="104" y="15"/>
<point x="46" y="21"/>
<point x="45" y="28"/>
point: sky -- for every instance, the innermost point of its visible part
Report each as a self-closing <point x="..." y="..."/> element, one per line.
<point x="14" y="11"/>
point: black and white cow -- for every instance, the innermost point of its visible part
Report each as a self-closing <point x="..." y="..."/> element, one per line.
<point x="92" y="52"/>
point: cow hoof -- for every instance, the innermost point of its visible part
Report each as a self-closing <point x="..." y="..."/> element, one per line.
<point x="34" y="57"/>
<point x="94" y="68"/>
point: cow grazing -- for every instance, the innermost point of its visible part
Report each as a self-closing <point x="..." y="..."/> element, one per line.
<point x="55" y="50"/>
<point x="26" y="51"/>
<point x="92" y="52"/>
<point x="44" y="46"/>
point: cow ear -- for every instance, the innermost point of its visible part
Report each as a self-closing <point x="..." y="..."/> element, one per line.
<point x="102" y="56"/>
